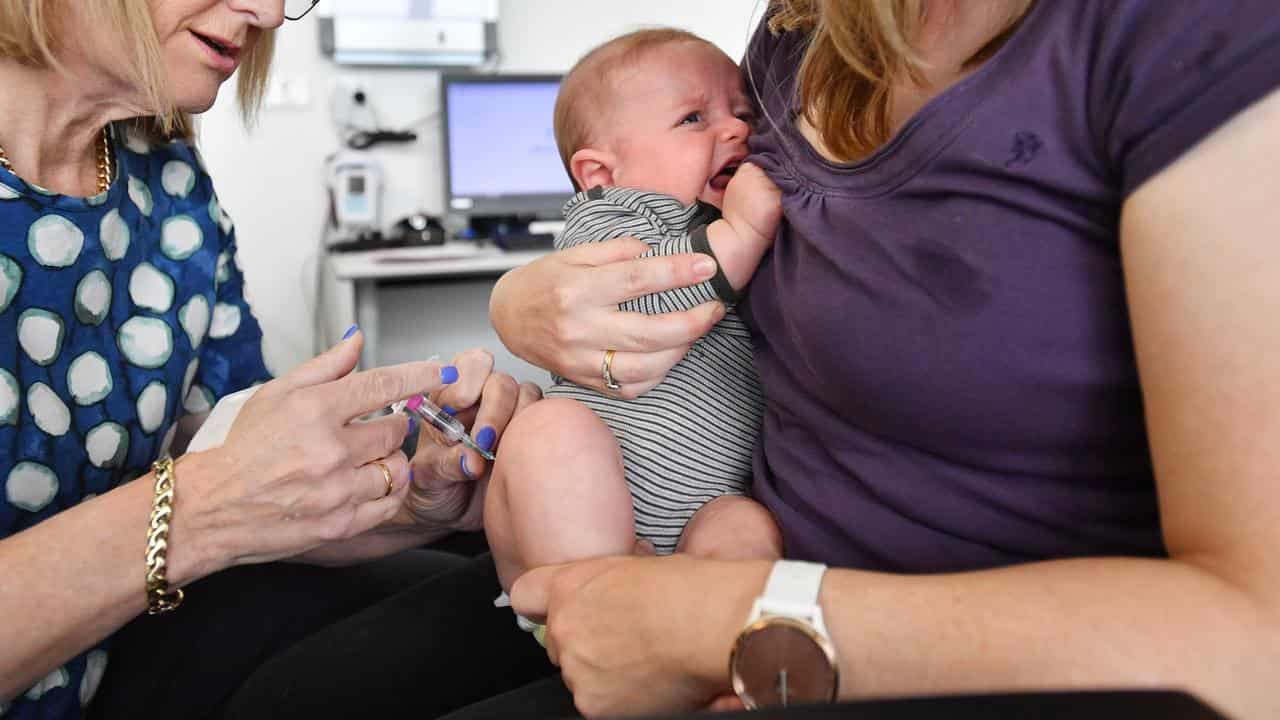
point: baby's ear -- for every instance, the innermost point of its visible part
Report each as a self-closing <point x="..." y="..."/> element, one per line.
<point x="591" y="168"/>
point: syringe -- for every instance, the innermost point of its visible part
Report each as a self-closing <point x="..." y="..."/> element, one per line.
<point x="447" y="424"/>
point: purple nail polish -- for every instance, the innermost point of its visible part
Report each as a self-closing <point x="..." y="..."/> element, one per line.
<point x="410" y="476"/>
<point x="413" y="427"/>
<point x="449" y="410"/>
<point x="350" y="331"/>
<point x="462" y="462"/>
<point x="448" y="374"/>
<point x="485" y="437"/>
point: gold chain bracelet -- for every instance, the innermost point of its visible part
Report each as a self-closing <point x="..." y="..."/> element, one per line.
<point x="159" y="599"/>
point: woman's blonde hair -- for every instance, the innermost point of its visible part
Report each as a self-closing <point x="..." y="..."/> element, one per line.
<point x="858" y="50"/>
<point x="29" y="33"/>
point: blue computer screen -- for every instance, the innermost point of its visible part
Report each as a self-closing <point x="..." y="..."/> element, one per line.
<point x="501" y="140"/>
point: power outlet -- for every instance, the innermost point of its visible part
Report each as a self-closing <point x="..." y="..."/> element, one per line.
<point x="287" y="92"/>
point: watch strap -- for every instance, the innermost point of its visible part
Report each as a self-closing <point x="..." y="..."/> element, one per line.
<point x="792" y="591"/>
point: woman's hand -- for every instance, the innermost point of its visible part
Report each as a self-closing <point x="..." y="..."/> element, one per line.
<point x="447" y="492"/>
<point x="295" y="472"/>
<point x="560" y="312"/>
<point x="636" y="635"/>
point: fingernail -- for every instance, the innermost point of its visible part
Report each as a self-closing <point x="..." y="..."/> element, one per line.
<point x="704" y="267"/>
<point x="350" y="331"/>
<point x="485" y="437"/>
<point x="448" y="410"/>
<point x="462" y="462"/>
<point x="413" y="427"/>
<point x="448" y="374"/>
<point x="410" y="476"/>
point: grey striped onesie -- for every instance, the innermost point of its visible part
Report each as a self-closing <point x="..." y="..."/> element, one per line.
<point x="691" y="438"/>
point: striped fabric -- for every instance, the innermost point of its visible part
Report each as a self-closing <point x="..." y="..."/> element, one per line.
<point x="691" y="438"/>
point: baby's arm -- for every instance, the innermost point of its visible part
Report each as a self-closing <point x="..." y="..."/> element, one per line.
<point x="752" y="210"/>
<point x="621" y="212"/>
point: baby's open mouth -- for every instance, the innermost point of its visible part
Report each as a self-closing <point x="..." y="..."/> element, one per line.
<point x="720" y="180"/>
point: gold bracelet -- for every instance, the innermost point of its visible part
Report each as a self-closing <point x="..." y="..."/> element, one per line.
<point x="159" y="599"/>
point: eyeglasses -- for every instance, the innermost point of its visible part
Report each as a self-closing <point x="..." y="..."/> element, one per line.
<point x="296" y="9"/>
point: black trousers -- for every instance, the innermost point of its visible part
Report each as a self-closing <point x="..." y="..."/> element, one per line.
<point x="415" y="635"/>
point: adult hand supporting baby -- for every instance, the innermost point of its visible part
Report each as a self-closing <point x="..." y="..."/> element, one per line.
<point x="637" y="635"/>
<point x="560" y="312"/>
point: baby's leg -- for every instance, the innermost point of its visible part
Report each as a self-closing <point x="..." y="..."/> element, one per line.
<point x="557" y="492"/>
<point x="732" y="527"/>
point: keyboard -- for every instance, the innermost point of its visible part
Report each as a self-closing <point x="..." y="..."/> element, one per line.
<point x="525" y="241"/>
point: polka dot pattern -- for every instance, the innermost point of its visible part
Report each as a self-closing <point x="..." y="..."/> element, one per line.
<point x="40" y="334"/>
<point x="106" y="444"/>
<point x="180" y="237"/>
<point x="89" y="378"/>
<point x="95" y="666"/>
<point x="151" y="289"/>
<point x="226" y="320"/>
<point x="93" y="298"/>
<point x="30" y="486"/>
<point x="55" y="241"/>
<point x="9" y="394"/>
<point x="49" y="411"/>
<point x="177" y="178"/>
<point x="10" y="280"/>
<point x="108" y="305"/>
<point x="146" y="341"/>
<point x="114" y="235"/>
<point x="194" y="317"/>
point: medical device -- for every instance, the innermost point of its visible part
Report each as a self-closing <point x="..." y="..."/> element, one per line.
<point x="447" y="424"/>
<point x="355" y="189"/>
<point x="421" y="33"/>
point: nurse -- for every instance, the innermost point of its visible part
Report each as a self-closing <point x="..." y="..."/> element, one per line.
<point x="123" y="320"/>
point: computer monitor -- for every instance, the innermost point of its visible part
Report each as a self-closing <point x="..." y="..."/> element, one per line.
<point x="500" y="156"/>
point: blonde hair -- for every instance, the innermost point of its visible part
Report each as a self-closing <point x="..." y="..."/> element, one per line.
<point x="858" y="50"/>
<point x="585" y="91"/>
<point x="29" y="34"/>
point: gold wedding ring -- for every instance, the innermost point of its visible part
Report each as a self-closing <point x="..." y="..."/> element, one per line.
<point x="386" y="475"/>
<point x="606" y="370"/>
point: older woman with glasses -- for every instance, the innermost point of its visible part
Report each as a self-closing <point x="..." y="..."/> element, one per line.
<point x="122" y="321"/>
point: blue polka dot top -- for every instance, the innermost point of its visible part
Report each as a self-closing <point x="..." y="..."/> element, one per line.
<point x="118" y="314"/>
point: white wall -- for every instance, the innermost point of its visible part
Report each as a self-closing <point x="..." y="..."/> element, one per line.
<point x="270" y="179"/>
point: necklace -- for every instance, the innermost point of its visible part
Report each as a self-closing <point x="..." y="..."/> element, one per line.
<point x="104" y="160"/>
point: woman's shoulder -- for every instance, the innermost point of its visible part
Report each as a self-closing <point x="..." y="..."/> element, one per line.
<point x="1159" y="77"/>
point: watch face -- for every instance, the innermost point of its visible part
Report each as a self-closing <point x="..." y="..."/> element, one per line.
<point x="782" y="661"/>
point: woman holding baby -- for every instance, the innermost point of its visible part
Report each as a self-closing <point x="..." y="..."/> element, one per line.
<point x="1018" y="364"/>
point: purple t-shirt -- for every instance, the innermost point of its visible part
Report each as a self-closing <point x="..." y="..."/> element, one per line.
<point x="941" y="328"/>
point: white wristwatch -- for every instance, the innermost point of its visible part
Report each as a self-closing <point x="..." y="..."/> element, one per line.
<point x="784" y="655"/>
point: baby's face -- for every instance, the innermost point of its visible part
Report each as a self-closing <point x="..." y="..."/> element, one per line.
<point x="679" y="123"/>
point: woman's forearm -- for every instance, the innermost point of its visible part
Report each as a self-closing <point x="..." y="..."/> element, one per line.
<point x="78" y="576"/>
<point x="1083" y="623"/>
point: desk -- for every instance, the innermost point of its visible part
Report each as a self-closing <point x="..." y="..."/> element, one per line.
<point x="365" y="270"/>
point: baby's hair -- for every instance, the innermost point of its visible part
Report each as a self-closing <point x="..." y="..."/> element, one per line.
<point x="585" y="91"/>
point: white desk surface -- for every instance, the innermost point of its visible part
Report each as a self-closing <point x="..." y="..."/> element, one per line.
<point x="451" y="258"/>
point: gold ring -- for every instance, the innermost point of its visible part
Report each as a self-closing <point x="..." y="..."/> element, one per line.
<point x="386" y="475"/>
<point x="606" y="370"/>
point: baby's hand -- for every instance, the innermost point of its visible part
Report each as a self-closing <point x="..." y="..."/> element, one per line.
<point x="752" y="204"/>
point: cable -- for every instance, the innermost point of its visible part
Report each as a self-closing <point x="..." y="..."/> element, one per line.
<point x="365" y="139"/>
